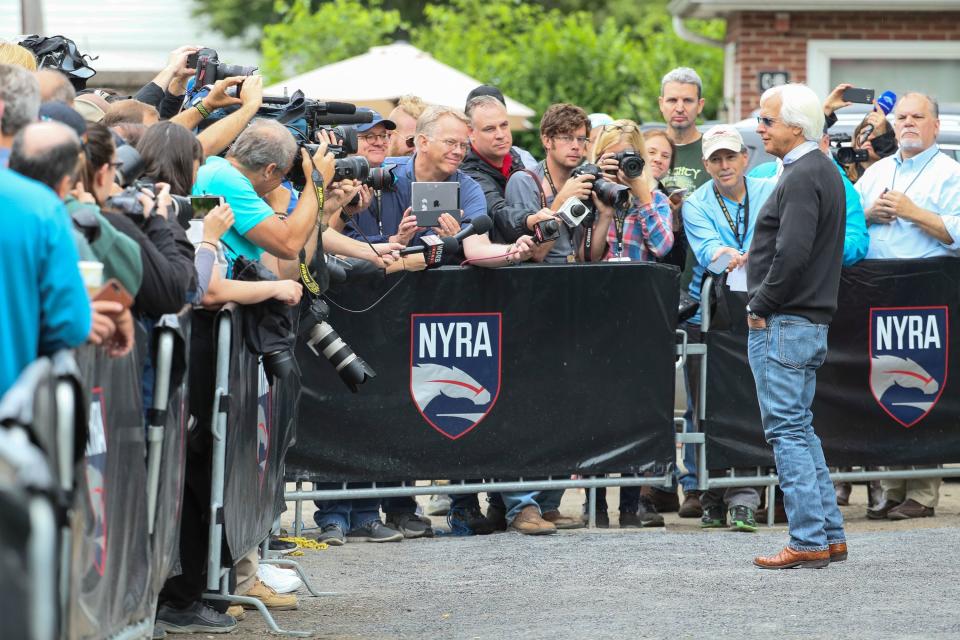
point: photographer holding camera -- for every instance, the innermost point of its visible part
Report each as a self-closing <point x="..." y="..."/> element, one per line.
<point x="169" y="276"/>
<point x="638" y="228"/>
<point x="534" y="196"/>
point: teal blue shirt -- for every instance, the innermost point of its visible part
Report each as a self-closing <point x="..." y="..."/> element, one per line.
<point x="43" y="304"/>
<point x="217" y="177"/>
<point x="856" y="239"/>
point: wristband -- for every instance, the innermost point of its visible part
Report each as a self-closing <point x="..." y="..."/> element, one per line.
<point x="202" y="109"/>
<point x="211" y="244"/>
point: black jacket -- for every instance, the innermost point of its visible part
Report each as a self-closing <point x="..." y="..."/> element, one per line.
<point x="169" y="275"/>
<point x="494" y="186"/>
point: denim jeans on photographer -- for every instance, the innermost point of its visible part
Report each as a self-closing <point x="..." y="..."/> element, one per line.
<point x="784" y="358"/>
<point x="346" y="514"/>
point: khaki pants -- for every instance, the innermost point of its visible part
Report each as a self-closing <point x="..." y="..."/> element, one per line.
<point x="926" y="491"/>
<point x="247" y="572"/>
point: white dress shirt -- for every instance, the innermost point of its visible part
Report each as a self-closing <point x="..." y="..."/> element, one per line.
<point x="931" y="180"/>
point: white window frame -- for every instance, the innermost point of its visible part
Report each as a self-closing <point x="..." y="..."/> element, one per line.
<point x="821" y="52"/>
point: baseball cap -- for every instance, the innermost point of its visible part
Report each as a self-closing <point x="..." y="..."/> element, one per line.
<point x="599" y="120"/>
<point x="60" y="112"/>
<point x="377" y="119"/>
<point x="487" y="90"/>
<point x="91" y="106"/>
<point x="721" y="136"/>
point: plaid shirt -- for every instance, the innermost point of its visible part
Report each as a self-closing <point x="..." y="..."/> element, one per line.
<point x="647" y="233"/>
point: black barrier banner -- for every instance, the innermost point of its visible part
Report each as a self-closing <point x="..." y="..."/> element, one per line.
<point x="111" y="552"/>
<point x="885" y="395"/>
<point x="533" y="370"/>
<point x="255" y="444"/>
<point x="166" y="532"/>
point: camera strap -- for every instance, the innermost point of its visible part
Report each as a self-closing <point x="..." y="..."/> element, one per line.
<point x="745" y="208"/>
<point x="305" y="276"/>
<point x="537" y="180"/>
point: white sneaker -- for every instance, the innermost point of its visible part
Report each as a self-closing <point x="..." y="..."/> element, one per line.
<point x="438" y="505"/>
<point x="279" y="579"/>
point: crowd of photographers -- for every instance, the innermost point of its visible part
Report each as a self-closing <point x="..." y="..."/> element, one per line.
<point x="200" y="190"/>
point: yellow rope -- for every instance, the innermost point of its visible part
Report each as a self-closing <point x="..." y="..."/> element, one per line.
<point x="305" y="543"/>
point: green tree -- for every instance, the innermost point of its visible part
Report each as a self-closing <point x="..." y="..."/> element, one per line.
<point x="307" y="38"/>
<point x="535" y="54"/>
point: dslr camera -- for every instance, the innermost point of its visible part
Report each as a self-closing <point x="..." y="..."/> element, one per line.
<point x="609" y="193"/>
<point x="210" y="69"/>
<point x="352" y="168"/>
<point x="631" y="163"/>
<point x="128" y="203"/>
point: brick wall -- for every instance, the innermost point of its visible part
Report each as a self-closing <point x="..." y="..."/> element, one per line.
<point x="778" y="41"/>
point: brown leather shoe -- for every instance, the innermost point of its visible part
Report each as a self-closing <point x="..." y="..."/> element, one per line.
<point x="664" y="501"/>
<point x="880" y="511"/>
<point x="779" y="515"/>
<point x="910" y="509"/>
<point x="529" y="523"/>
<point x="561" y="521"/>
<point x="691" y="507"/>
<point x="838" y="552"/>
<point x="790" y="558"/>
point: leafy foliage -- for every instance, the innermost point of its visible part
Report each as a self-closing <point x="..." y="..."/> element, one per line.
<point x="538" y="55"/>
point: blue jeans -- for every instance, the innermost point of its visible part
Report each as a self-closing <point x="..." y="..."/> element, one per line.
<point x="784" y="358"/>
<point x="346" y="514"/>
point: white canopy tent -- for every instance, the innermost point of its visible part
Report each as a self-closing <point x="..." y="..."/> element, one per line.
<point x="377" y="78"/>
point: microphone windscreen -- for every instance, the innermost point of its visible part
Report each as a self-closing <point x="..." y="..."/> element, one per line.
<point x="482" y="224"/>
<point x="886" y="101"/>
<point x="450" y="245"/>
<point x="341" y="107"/>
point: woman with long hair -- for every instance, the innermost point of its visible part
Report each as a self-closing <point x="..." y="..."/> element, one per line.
<point x="642" y="230"/>
<point x="880" y="142"/>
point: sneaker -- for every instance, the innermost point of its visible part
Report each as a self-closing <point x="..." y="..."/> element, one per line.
<point x="410" y="525"/>
<point x="279" y="579"/>
<point x="195" y="618"/>
<point x="559" y="520"/>
<point x="497" y="515"/>
<point x="713" y="517"/>
<point x="236" y="610"/>
<point x="282" y="546"/>
<point x="529" y="523"/>
<point x="158" y="633"/>
<point x="742" y="519"/>
<point x="375" y="531"/>
<point x="691" y="505"/>
<point x="438" y="506"/>
<point x="331" y="534"/>
<point x="603" y="519"/>
<point x="469" y="521"/>
<point x="269" y="597"/>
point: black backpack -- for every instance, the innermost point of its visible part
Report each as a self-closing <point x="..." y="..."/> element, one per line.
<point x="60" y="53"/>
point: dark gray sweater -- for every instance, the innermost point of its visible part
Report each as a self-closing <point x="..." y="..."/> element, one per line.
<point x="797" y="248"/>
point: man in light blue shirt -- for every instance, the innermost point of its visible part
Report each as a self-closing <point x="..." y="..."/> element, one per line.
<point x="912" y="201"/>
<point x="718" y="219"/>
<point x="912" y="198"/>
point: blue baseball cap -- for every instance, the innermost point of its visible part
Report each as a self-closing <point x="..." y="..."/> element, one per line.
<point x="377" y="119"/>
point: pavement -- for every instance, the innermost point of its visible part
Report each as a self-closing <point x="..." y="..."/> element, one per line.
<point x="901" y="581"/>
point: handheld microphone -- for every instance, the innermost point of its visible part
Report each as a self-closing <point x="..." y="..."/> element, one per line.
<point x="433" y="249"/>
<point x="886" y="102"/>
<point x="479" y="225"/>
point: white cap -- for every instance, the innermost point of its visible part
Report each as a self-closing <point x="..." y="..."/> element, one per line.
<point x="599" y="120"/>
<point x="721" y="136"/>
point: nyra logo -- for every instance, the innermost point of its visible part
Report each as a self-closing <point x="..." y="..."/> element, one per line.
<point x="455" y="369"/>
<point x="908" y="360"/>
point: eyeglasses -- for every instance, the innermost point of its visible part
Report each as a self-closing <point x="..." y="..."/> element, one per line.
<point x="453" y="144"/>
<point x="581" y="140"/>
<point x="624" y="128"/>
<point x="767" y="121"/>
<point x="371" y="137"/>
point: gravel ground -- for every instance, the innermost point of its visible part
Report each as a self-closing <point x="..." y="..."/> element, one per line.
<point x="901" y="581"/>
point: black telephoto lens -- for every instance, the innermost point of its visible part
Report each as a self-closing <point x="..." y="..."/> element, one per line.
<point x="324" y="340"/>
<point x="353" y="168"/>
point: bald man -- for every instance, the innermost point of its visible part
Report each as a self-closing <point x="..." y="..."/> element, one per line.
<point x="55" y="87"/>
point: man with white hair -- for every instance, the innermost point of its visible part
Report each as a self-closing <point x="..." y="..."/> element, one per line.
<point x="793" y="275"/>
<point x="912" y="201"/>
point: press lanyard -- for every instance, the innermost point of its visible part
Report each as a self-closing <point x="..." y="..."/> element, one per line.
<point x="619" y="219"/>
<point x="897" y="168"/>
<point x="745" y="208"/>
<point x="546" y="172"/>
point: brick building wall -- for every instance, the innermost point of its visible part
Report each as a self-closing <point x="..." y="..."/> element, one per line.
<point x="778" y="41"/>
